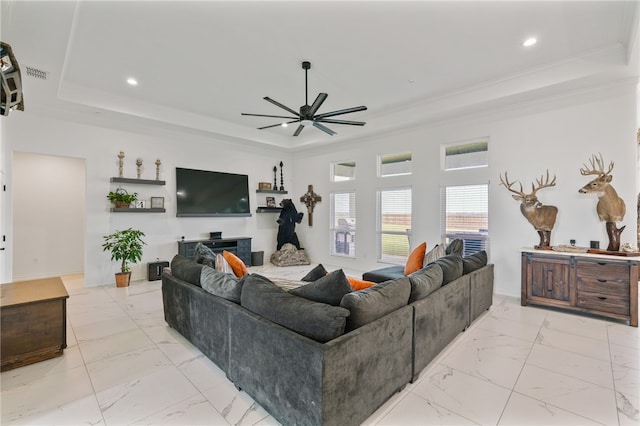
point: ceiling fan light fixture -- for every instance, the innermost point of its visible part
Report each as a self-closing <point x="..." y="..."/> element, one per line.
<point x="306" y="122"/>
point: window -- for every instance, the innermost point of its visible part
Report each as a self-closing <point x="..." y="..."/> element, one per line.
<point x="342" y="171"/>
<point x="466" y="155"/>
<point x="343" y="224"/>
<point x="394" y="224"/>
<point x="466" y="216"/>
<point x="394" y="165"/>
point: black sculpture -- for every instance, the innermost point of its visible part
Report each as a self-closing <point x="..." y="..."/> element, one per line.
<point x="289" y="216"/>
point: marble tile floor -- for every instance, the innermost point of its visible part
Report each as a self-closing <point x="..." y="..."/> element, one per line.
<point x="514" y="366"/>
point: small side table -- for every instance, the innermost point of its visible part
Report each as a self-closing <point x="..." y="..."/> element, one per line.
<point x="154" y="270"/>
<point x="34" y="321"/>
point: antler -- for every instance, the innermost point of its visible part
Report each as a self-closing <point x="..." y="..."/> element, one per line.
<point x="508" y="185"/>
<point x="585" y="171"/>
<point x="546" y="183"/>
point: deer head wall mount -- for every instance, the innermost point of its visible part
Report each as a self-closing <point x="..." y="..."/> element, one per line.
<point x="610" y="207"/>
<point x="541" y="217"/>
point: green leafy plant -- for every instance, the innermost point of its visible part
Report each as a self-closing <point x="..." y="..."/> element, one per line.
<point x="125" y="246"/>
<point x="121" y="198"/>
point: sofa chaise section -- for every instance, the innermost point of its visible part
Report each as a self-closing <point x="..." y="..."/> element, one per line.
<point x="304" y="382"/>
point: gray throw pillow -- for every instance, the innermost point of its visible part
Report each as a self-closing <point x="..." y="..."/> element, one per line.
<point x="220" y="284"/>
<point x="473" y="262"/>
<point x="456" y="246"/>
<point x="315" y="274"/>
<point x="186" y="269"/>
<point x="317" y="321"/>
<point x="329" y="289"/>
<point x="375" y="302"/>
<point x="203" y="254"/>
<point x="425" y="281"/>
<point x="451" y="265"/>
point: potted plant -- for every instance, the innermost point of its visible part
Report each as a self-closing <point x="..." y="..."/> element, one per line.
<point x="121" y="198"/>
<point x="125" y="246"/>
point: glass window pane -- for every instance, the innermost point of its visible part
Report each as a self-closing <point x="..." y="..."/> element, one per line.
<point x="394" y="224"/>
<point x="343" y="224"/>
<point x="342" y="171"/>
<point x="466" y="216"/>
<point x="395" y="165"/>
<point x="466" y="155"/>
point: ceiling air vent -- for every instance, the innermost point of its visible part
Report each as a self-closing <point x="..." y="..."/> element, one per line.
<point x="36" y="73"/>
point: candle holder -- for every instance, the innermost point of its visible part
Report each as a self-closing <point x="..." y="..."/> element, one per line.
<point x="138" y="166"/>
<point x="158" y="168"/>
<point x="281" y="178"/>
<point x="120" y="163"/>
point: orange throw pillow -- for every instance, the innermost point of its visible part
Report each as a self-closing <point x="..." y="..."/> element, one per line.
<point x="237" y="265"/>
<point x="414" y="261"/>
<point x="358" y="284"/>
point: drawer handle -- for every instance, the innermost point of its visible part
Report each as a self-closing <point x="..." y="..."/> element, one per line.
<point x="600" y="280"/>
<point x="602" y="298"/>
<point x="602" y="263"/>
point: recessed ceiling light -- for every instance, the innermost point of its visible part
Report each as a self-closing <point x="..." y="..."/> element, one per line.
<point x="529" y="42"/>
<point x="132" y="81"/>
<point x="285" y="124"/>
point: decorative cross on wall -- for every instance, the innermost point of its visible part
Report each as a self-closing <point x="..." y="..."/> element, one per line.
<point x="310" y="199"/>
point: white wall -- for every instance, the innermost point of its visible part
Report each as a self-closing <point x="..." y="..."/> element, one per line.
<point x="525" y="140"/>
<point x="49" y="233"/>
<point x="99" y="146"/>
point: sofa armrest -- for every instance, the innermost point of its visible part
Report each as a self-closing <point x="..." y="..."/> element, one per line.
<point x="481" y="291"/>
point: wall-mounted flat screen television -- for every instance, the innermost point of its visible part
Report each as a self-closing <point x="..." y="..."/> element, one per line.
<point x="206" y="193"/>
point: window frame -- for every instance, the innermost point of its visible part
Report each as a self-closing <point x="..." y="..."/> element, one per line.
<point x="348" y="231"/>
<point x="379" y="232"/>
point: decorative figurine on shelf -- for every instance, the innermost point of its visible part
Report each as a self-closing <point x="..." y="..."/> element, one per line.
<point x="138" y="166"/>
<point x="158" y="168"/>
<point x="289" y="216"/>
<point x="310" y="199"/>
<point x="281" y="178"/>
<point x="542" y="217"/>
<point x="275" y="179"/>
<point x="610" y="207"/>
<point x="120" y="163"/>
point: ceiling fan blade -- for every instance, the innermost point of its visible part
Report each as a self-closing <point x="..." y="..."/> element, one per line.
<point x="279" y="124"/>
<point x="332" y="121"/>
<point x="323" y="128"/>
<point x="264" y="115"/>
<point x="317" y="103"/>
<point x="298" y="130"/>
<point x="286" y="108"/>
<point x="342" y="111"/>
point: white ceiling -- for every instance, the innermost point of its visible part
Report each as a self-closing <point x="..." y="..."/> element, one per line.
<point x="200" y="64"/>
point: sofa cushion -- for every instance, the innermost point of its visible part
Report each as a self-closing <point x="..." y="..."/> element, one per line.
<point x="328" y="289"/>
<point x="456" y="246"/>
<point x="317" y="321"/>
<point x="414" y="261"/>
<point x="451" y="265"/>
<point x="374" y="302"/>
<point x="203" y="254"/>
<point x="425" y="281"/>
<point x="474" y="261"/>
<point x="434" y="254"/>
<point x="384" y="274"/>
<point x="237" y="265"/>
<point x="220" y="284"/>
<point x="222" y="265"/>
<point x="186" y="269"/>
<point x="357" y="284"/>
<point x="314" y="274"/>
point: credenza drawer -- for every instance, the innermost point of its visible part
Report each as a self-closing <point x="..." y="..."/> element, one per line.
<point x="613" y="271"/>
<point x="605" y="286"/>
<point x="606" y="303"/>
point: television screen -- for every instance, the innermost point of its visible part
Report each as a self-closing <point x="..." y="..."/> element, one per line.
<point x="205" y="193"/>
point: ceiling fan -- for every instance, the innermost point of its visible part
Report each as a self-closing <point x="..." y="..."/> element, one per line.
<point x="307" y="115"/>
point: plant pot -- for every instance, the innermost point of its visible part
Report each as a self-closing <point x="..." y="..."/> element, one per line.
<point x="122" y="205"/>
<point x="122" y="279"/>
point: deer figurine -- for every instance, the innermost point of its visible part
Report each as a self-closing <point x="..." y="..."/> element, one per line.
<point x="542" y="217"/>
<point x="610" y="207"/>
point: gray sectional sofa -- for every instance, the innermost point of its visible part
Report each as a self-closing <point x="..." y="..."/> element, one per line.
<point x="303" y="374"/>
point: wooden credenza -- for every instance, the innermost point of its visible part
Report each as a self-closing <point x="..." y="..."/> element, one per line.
<point x="598" y="284"/>
<point x="33" y="325"/>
